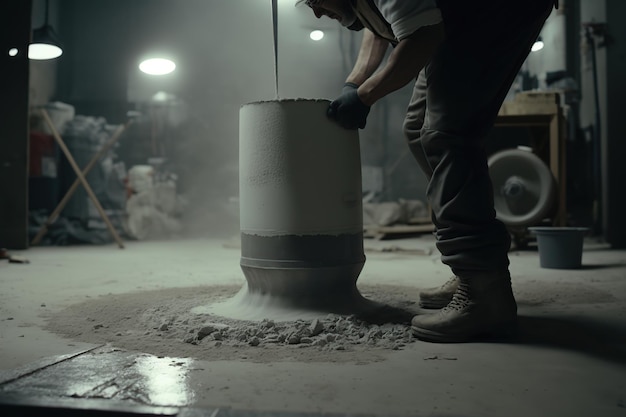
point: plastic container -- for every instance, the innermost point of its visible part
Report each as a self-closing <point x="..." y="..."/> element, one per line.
<point x="560" y="247"/>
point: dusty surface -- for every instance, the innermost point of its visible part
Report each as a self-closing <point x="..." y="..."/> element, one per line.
<point x="569" y="358"/>
<point x="164" y="323"/>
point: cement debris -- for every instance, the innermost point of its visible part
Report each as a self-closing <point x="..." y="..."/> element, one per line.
<point x="14" y="259"/>
<point x="161" y="323"/>
<point x="331" y="333"/>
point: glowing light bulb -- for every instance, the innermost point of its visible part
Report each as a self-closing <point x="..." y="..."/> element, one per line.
<point x="157" y="66"/>
<point x="316" y="35"/>
<point x="41" y="51"/>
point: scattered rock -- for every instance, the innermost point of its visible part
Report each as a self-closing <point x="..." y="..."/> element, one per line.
<point x="320" y="343"/>
<point x="441" y="358"/>
<point x="14" y="259"/>
<point x="205" y="331"/>
<point x="316" y="328"/>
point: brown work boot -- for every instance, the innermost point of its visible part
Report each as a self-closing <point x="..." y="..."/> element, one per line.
<point x="481" y="306"/>
<point x="439" y="297"/>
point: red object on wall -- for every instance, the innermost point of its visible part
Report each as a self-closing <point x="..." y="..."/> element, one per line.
<point x="41" y="146"/>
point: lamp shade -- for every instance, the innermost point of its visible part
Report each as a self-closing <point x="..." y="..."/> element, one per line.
<point x="45" y="44"/>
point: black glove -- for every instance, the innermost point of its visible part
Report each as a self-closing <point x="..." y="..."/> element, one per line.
<point x="348" y="110"/>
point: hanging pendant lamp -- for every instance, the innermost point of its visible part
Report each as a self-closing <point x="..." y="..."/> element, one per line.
<point x="538" y="45"/>
<point x="45" y="44"/>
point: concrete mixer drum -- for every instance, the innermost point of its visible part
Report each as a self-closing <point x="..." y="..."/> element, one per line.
<point x="524" y="190"/>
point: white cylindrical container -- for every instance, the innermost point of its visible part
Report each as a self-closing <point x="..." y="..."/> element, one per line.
<point x="300" y="204"/>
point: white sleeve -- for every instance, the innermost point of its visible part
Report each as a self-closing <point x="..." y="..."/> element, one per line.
<point x="406" y="16"/>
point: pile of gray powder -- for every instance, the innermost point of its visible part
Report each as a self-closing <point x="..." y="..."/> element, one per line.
<point x="160" y="322"/>
<point x="333" y="332"/>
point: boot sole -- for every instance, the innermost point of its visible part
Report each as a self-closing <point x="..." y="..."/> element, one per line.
<point x="434" y="304"/>
<point x="499" y="332"/>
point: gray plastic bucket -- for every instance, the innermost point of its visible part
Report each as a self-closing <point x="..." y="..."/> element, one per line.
<point x="560" y="247"/>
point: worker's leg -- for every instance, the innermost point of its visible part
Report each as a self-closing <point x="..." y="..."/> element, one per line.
<point x="437" y="297"/>
<point x="467" y="80"/>
<point x="414" y="122"/>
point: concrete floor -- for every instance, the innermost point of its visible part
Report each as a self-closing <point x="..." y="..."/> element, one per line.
<point x="570" y="359"/>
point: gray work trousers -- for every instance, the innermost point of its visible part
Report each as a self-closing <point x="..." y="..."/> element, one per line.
<point x="455" y="101"/>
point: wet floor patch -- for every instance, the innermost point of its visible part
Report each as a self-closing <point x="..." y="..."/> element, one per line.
<point x="105" y="373"/>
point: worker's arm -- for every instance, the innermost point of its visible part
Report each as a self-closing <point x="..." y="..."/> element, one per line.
<point x="404" y="64"/>
<point x="371" y="54"/>
<point x="408" y="58"/>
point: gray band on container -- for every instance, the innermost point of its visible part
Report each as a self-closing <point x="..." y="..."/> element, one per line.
<point x="305" y="251"/>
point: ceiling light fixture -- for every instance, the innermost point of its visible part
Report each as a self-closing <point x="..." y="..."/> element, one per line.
<point x="45" y="44"/>
<point x="538" y="45"/>
<point x="316" y="35"/>
<point x="157" y="66"/>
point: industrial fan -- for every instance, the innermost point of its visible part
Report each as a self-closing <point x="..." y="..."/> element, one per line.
<point x="524" y="190"/>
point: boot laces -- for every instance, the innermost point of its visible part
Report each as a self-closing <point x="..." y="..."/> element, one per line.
<point x="460" y="299"/>
<point x="450" y="282"/>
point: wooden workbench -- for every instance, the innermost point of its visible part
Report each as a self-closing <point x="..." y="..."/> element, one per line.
<point x="542" y="110"/>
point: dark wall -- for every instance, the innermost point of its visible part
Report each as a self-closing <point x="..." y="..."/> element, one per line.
<point x="92" y="72"/>
<point x="14" y="33"/>
<point x="616" y="128"/>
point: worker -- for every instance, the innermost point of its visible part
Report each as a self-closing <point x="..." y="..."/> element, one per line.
<point x="462" y="57"/>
